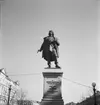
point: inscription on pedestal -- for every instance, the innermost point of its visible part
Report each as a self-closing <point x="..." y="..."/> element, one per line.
<point x="52" y="86"/>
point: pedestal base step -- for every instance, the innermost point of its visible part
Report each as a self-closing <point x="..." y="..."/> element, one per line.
<point x="52" y="102"/>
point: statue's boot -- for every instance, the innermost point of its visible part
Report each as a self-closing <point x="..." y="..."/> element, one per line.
<point x="49" y="65"/>
<point x="58" y="66"/>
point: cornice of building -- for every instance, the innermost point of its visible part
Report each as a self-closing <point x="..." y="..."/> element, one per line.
<point x="3" y="71"/>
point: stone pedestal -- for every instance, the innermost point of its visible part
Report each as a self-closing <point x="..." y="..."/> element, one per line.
<point x="52" y="94"/>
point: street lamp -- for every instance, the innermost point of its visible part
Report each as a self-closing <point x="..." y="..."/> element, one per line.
<point x="9" y="90"/>
<point x="94" y="90"/>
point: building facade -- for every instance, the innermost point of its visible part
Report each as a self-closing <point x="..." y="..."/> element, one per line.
<point x="8" y="89"/>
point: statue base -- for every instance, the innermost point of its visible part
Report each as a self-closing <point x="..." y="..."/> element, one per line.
<point x="52" y="68"/>
<point x="52" y="87"/>
<point x="52" y="102"/>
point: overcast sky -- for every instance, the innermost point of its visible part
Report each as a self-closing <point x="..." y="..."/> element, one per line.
<point x="74" y="22"/>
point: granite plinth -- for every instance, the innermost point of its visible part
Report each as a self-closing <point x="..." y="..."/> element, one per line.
<point x="52" y="87"/>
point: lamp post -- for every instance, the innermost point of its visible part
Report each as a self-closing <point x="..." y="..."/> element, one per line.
<point x="9" y="90"/>
<point x="94" y="90"/>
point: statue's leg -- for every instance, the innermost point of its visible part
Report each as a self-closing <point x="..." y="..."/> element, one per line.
<point x="56" y="63"/>
<point x="49" y="64"/>
<point x="47" y="57"/>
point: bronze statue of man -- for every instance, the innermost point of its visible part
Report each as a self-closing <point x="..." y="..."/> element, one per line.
<point x="49" y="49"/>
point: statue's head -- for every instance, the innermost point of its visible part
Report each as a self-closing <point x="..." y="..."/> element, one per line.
<point x="51" y="33"/>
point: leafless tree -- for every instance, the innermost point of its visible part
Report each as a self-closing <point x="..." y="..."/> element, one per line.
<point x="21" y="96"/>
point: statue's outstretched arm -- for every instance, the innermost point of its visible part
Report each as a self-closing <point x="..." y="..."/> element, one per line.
<point x="41" y="48"/>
